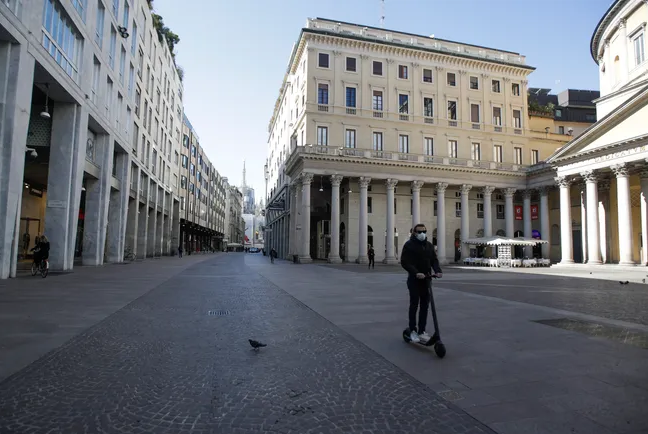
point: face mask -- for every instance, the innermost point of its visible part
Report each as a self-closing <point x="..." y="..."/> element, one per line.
<point x="421" y="237"/>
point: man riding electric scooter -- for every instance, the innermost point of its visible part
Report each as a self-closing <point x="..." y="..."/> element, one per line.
<point x="420" y="260"/>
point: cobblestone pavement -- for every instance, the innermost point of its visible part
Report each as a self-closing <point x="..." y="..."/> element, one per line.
<point x="605" y="298"/>
<point x="164" y="364"/>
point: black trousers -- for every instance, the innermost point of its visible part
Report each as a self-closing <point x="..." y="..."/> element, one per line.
<point x="419" y="292"/>
<point x="372" y="262"/>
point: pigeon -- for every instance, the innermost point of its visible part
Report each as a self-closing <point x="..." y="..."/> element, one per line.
<point x="256" y="344"/>
<point x="624" y="283"/>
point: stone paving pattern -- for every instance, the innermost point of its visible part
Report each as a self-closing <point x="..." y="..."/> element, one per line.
<point x="161" y="364"/>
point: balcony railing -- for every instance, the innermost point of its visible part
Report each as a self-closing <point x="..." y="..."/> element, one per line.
<point x="406" y="156"/>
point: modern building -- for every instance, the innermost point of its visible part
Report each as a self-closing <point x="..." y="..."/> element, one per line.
<point x="375" y="130"/>
<point x="91" y="119"/>
<point x="570" y="112"/>
<point x="602" y="174"/>
<point x="234" y="223"/>
<point x="202" y="196"/>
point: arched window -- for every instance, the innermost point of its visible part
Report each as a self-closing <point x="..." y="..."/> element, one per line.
<point x="500" y="233"/>
<point x="617" y="70"/>
<point x="480" y="233"/>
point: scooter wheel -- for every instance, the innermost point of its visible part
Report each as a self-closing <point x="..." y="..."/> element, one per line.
<point x="440" y="350"/>
<point x="406" y="335"/>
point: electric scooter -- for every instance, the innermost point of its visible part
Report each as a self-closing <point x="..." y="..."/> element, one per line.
<point x="435" y="340"/>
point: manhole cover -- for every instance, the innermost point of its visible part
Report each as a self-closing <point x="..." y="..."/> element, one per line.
<point x="450" y="395"/>
<point x="219" y="312"/>
<point x="618" y="334"/>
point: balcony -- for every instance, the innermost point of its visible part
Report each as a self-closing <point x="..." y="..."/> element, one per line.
<point x="322" y="108"/>
<point x="351" y="111"/>
<point x="367" y="154"/>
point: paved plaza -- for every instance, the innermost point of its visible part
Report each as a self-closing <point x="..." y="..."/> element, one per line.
<point x="161" y="347"/>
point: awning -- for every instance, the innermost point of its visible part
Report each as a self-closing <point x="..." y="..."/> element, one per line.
<point x="502" y="241"/>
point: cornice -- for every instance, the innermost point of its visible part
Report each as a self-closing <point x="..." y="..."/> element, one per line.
<point x="396" y="48"/>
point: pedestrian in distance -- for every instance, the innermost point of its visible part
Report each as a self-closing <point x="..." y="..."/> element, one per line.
<point x="371" y="253"/>
<point x="420" y="261"/>
<point x="273" y="255"/>
<point x="180" y="251"/>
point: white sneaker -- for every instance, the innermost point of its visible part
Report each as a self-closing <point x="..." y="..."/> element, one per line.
<point x="424" y="337"/>
<point x="414" y="337"/>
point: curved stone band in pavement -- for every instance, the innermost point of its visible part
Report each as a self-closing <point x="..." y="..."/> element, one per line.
<point x="163" y="364"/>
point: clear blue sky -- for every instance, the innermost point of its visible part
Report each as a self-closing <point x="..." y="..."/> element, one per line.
<point x="235" y="53"/>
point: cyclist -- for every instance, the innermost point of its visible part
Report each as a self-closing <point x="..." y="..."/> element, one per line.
<point x="44" y="248"/>
<point x="420" y="260"/>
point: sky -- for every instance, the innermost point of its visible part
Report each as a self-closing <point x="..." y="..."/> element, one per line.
<point x="235" y="54"/>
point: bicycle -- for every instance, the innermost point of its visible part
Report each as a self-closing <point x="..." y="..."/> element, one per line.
<point x="129" y="255"/>
<point x="41" y="267"/>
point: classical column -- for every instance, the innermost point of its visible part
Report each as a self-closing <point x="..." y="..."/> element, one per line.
<point x="526" y="216"/>
<point x="603" y="188"/>
<point x="488" y="212"/>
<point x="416" y="202"/>
<point x="509" y="215"/>
<point x="566" y="251"/>
<point x="644" y="217"/>
<point x="583" y="198"/>
<point x="292" y="237"/>
<point x="545" y="226"/>
<point x="298" y="217"/>
<point x="363" y="182"/>
<point x="441" y="222"/>
<point x="390" y="258"/>
<point x="465" y="219"/>
<point x="624" y="208"/>
<point x="305" y="256"/>
<point x="594" y="256"/>
<point x="334" y="255"/>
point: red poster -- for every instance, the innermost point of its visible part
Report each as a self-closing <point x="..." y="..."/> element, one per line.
<point x="534" y="212"/>
<point x="518" y="212"/>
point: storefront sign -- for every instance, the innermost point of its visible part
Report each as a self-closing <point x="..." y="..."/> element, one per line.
<point x="518" y="212"/>
<point x="36" y="192"/>
<point x="534" y="212"/>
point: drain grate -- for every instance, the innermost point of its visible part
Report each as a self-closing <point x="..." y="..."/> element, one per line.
<point x="618" y="334"/>
<point x="219" y="312"/>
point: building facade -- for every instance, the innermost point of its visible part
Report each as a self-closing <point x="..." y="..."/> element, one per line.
<point x="376" y="130"/>
<point x="570" y="112"/>
<point x="603" y="173"/>
<point x="234" y="223"/>
<point x="202" y="196"/>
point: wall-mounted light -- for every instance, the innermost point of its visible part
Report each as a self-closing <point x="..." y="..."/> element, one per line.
<point x="45" y="113"/>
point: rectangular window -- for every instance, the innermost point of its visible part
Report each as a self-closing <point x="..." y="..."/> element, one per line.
<point x="427" y="75"/>
<point x="116" y="8"/>
<point x="518" y="155"/>
<point x="96" y="74"/>
<point x="497" y="116"/>
<point x="377" y="141"/>
<point x="351" y="64"/>
<point x="322" y="94"/>
<point x="639" y="51"/>
<point x="435" y="208"/>
<point x="457" y="209"/>
<point x="377" y="68"/>
<point x="500" y="212"/>
<point x="134" y="39"/>
<point x="517" y="119"/>
<point x="451" y="79"/>
<point x="60" y="38"/>
<point x="453" y="150"/>
<point x="122" y="65"/>
<point x="126" y="16"/>
<point x="322" y="136"/>
<point x="452" y="110"/>
<point x="131" y="80"/>
<point x="350" y="140"/>
<point x="515" y="89"/>
<point x="377" y="100"/>
<point x="497" y="153"/>
<point x="350" y="96"/>
<point x="535" y="156"/>
<point x="323" y="60"/>
<point x="495" y="86"/>
<point x="402" y="72"/>
<point x="561" y="130"/>
<point x="395" y="207"/>
<point x="403" y="143"/>
<point x="474" y="113"/>
<point x="429" y="146"/>
<point x="99" y="28"/>
<point x="428" y="107"/>
<point x="113" y="47"/>
<point x="369" y="205"/>
<point x="480" y="210"/>
<point x="474" y="83"/>
<point x="476" y="151"/>
<point x="403" y="103"/>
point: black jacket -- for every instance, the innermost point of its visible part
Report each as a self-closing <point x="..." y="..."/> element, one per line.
<point x="419" y="257"/>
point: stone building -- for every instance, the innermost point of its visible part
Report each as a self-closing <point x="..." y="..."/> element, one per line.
<point x="375" y="130"/>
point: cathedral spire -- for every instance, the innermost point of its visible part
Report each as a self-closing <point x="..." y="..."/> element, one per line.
<point x="244" y="183"/>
